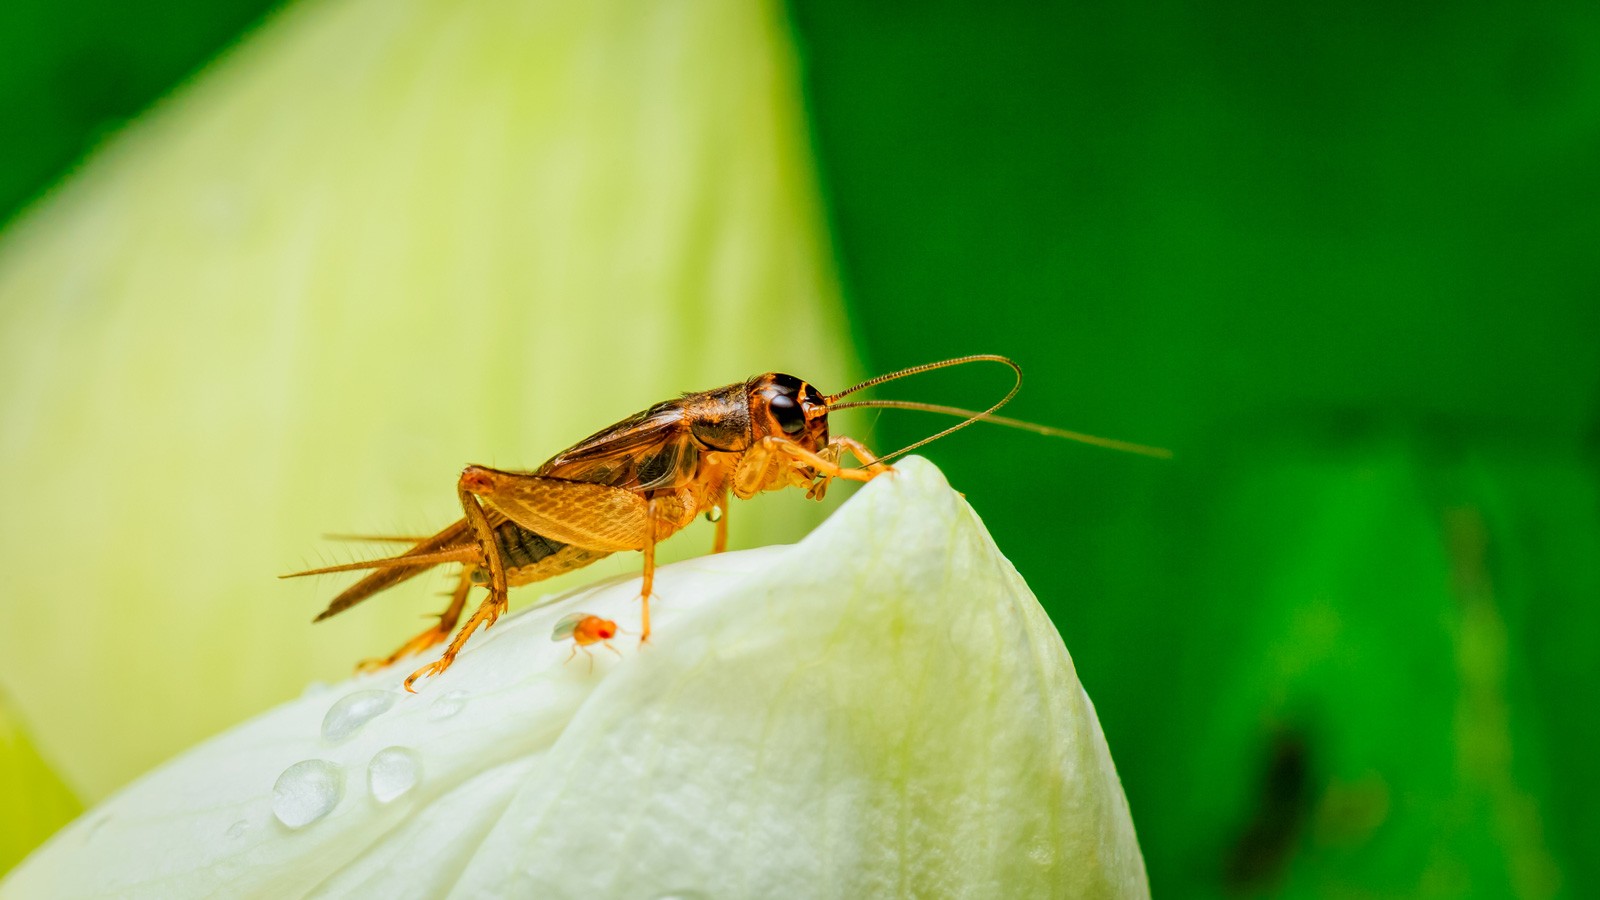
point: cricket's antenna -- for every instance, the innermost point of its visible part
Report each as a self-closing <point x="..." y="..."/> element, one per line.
<point x="972" y="416"/>
<point x="929" y="367"/>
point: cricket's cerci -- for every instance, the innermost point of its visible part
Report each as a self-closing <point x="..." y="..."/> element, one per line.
<point x="637" y="483"/>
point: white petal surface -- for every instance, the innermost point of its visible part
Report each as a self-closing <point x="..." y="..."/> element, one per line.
<point x="881" y="709"/>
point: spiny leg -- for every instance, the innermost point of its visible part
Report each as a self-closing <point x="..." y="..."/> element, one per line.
<point x="485" y="615"/>
<point x="857" y="449"/>
<point x="720" y="542"/>
<point x="833" y="453"/>
<point x="432" y="636"/>
<point x="763" y="466"/>
<point x="580" y="513"/>
<point x="649" y="572"/>
<point x="494" y="604"/>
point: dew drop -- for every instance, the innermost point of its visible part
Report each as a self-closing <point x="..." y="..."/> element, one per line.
<point x="237" y="829"/>
<point x="448" y="704"/>
<point x="393" y="772"/>
<point x="354" y="711"/>
<point x="307" y="791"/>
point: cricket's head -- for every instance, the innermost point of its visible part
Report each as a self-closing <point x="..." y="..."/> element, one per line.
<point x="784" y="405"/>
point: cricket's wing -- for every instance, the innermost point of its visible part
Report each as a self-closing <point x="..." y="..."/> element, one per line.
<point x="651" y="450"/>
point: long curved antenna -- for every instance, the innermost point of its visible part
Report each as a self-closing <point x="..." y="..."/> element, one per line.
<point x="1080" y="437"/>
<point x="925" y="367"/>
<point x="917" y="370"/>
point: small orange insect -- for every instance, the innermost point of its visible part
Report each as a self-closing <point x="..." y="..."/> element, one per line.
<point x="638" y="482"/>
<point x="584" y="630"/>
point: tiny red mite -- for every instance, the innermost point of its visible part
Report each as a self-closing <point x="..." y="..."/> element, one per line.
<point x="583" y="630"/>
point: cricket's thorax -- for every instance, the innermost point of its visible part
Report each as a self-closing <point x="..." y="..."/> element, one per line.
<point x="719" y="420"/>
<point x="660" y="448"/>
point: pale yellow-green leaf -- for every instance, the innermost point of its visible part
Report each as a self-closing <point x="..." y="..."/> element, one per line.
<point x="880" y="710"/>
<point x="377" y="241"/>
<point x="34" y="800"/>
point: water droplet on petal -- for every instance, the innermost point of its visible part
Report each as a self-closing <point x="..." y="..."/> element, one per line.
<point x="237" y="829"/>
<point x="352" y="712"/>
<point x="448" y="704"/>
<point x="307" y="791"/>
<point x="393" y="772"/>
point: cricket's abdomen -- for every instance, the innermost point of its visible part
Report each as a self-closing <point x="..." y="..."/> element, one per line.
<point x="531" y="557"/>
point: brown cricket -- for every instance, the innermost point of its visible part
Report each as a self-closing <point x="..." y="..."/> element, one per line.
<point x="638" y="482"/>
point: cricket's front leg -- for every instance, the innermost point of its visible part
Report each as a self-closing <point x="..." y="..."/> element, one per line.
<point x="766" y="464"/>
<point x="840" y="444"/>
<point x="833" y="453"/>
<point x="494" y="604"/>
<point x="720" y="542"/>
<point x="665" y="515"/>
<point x="653" y="513"/>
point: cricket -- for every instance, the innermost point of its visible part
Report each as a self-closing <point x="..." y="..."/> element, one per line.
<point x="640" y="481"/>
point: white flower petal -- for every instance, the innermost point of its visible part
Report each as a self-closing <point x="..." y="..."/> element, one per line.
<point x="882" y="708"/>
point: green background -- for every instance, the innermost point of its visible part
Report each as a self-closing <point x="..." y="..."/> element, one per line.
<point x="1342" y="260"/>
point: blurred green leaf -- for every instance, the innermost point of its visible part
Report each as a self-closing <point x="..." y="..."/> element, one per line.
<point x="71" y="75"/>
<point x="1374" y="723"/>
<point x="36" y="802"/>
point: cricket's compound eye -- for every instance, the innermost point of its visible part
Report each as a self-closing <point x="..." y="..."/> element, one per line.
<point x="784" y="403"/>
<point x="787" y="413"/>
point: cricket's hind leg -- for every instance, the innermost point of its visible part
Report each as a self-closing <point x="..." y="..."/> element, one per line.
<point x="487" y="612"/>
<point x="494" y="604"/>
<point x="434" y="635"/>
<point x="590" y="518"/>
